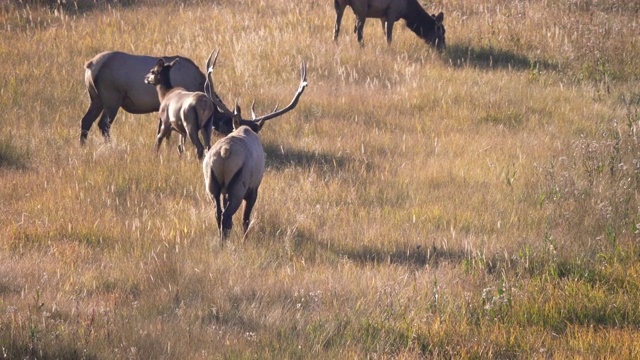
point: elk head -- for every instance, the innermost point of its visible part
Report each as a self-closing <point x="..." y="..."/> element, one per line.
<point x="160" y="73"/>
<point x="437" y="37"/>
<point x="234" y="118"/>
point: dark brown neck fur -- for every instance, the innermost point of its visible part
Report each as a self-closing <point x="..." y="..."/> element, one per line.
<point x="418" y="20"/>
<point x="164" y="85"/>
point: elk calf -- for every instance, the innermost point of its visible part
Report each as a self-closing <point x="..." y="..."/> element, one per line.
<point x="182" y="111"/>
<point x="234" y="166"/>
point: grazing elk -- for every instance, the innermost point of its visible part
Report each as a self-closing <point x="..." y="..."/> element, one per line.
<point x="114" y="81"/>
<point x="426" y="26"/>
<point x="183" y="111"/>
<point x="234" y="166"/>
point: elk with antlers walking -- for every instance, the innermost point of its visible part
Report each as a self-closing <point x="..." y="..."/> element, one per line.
<point x="234" y="166"/>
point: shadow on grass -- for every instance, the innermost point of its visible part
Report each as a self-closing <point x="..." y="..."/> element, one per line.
<point x="28" y="348"/>
<point x="7" y="288"/>
<point x="489" y="58"/>
<point x="11" y="156"/>
<point x="280" y="159"/>
<point x="28" y="238"/>
<point x="416" y="256"/>
<point x="77" y="7"/>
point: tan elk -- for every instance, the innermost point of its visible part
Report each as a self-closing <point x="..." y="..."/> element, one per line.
<point x="234" y="166"/>
<point x="183" y="111"/>
<point x="426" y="26"/>
<point x="114" y="80"/>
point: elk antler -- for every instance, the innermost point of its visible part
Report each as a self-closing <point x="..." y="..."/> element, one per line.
<point x="253" y="113"/>
<point x="208" y="85"/>
<point x="294" y="102"/>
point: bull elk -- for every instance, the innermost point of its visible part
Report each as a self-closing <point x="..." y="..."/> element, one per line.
<point x="183" y="111"/>
<point x="426" y="26"/>
<point x="234" y="166"/>
<point x="114" y="81"/>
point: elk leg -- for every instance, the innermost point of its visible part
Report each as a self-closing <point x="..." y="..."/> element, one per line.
<point x="192" y="130"/>
<point x="389" y="31"/>
<point x="218" y="212"/>
<point x="232" y="205"/>
<point x="183" y="140"/>
<point x="108" y="115"/>
<point x="215" y="190"/>
<point x="359" y="29"/>
<point x="339" y="13"/>
<point x="183" y="136"/>
<point x="163" y="131"/>
<point x="95" y="108"/>
<point x="206" y="134"/>
<point x="250" y="200"/>
<point x="232" y="201"/>
<point x="221" y="235"/>
<point x="159" y="127"/>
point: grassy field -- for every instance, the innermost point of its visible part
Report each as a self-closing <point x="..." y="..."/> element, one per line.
<point x="478" y="203"/>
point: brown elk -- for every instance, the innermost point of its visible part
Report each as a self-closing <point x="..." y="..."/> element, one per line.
<point x="426" y="26"/>
<point x="114" y="81"/>
<point x="234" y="166"/>
<point x="183" y="111"/>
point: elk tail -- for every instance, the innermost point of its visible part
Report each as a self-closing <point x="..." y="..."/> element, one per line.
<point x="89" y="78"/>
<point x="225" y="151"/>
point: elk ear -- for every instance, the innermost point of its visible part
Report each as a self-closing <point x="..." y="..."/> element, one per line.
<point x="237" y="116"/>
<point x="160" y="63"/>
<point x="440" y="18"/>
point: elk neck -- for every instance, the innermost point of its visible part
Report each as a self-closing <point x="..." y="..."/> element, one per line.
<point x="417" y="19"/>
<point x="164" y="86"/>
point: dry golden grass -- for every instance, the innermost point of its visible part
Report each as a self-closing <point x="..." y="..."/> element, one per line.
<point x="480" y="203"/>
